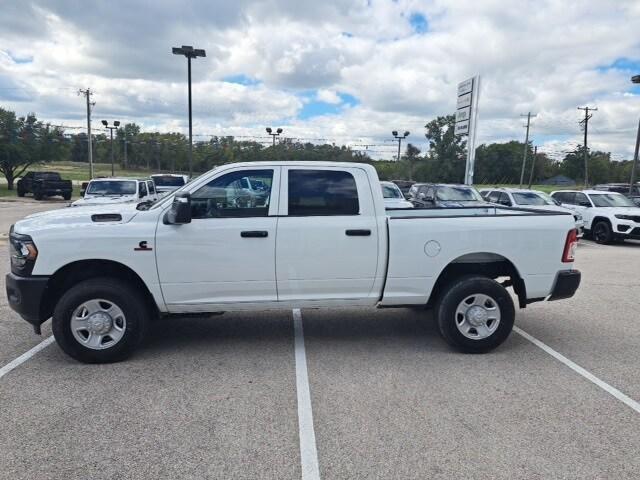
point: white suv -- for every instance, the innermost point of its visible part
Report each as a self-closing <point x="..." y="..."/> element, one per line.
<point x="104" y="191"/>
<point x="532" y="199"/>
<point x="607" y="216"/>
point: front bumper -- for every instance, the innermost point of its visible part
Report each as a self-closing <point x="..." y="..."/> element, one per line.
<point x="566" y="284"/>
<point x="25" y="296"/>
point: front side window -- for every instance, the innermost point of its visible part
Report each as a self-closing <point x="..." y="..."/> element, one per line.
<point x="565" y="197"/>
<point x="143" y="189"/>
<point x="581" y="199"/>
<point x="152" y="188"/>
<point x="232" y="195"/>
<point x="322" y="192"/>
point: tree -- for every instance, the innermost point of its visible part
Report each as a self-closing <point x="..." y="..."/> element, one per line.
<point x="23" y="142"/>
<point x="411" y="156"/>
<point x="447" y="151"/>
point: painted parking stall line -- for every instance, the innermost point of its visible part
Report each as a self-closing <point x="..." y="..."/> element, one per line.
<point x="25" y="356"/>
<point x="308" y="451"/>
<point x="581" y="371"/>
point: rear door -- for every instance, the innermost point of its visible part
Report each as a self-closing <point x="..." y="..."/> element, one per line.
<point x="327" y="245"/>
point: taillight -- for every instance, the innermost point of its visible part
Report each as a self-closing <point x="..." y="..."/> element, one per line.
<point x="569" y="254"/>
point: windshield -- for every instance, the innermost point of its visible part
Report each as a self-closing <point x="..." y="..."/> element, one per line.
<point x="531" y="198"/>
<point x="168" y="180"/>
<point x="391" y="191"/>
<point x="458" y="194"/>
<point x="111" y="187"/>
<point x="610" y="200"/>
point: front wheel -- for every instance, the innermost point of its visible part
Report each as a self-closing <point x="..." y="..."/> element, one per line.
<point x="101" y="320"/>
<point x="475" y="314"/>
<point x="602" y="232"/>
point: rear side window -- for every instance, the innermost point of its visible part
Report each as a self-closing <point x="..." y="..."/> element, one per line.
<point x="565" y="197"/>
<point x="152" y="188"/>
<point x="143" y="189"/>
<point x="322" y="192"/>
<point x="493" y="197"/>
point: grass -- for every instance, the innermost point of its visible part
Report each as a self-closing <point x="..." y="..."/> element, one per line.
<point x="79" y="172"/>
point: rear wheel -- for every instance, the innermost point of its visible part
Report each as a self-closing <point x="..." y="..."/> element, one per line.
<point x="67" y="196"/>
<point x="20" y="192"/>
<point x="475" y="314"/>
<point x="602" y="232"/>
<point x="100" y="320"/>
<point x="38" y="195"/>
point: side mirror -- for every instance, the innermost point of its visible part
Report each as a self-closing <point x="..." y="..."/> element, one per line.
<point x="180" y="211"/>
<point x="585" y="204"/>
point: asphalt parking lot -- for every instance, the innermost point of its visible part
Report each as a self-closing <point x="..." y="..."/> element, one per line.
<point x="225" y="397"/>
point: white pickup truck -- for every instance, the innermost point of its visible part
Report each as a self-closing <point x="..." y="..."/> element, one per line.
<point x="316" y="235"/>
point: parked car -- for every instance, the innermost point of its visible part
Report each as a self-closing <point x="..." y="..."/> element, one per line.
<point x="622" y="188"/>
<point x="44" y="184"/>
<point x="168" y="182"/>
<point x="102" y="191"/>
<point x="393" y="197"/>
<point x="322" y="238"/>
<point x="531" y="199"/>
<point x="404" y="185"/>
<point x="608" y="216"/>
<point x="440" y="195"/>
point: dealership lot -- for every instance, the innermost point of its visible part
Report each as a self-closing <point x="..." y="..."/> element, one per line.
<point x="218" y="397"/>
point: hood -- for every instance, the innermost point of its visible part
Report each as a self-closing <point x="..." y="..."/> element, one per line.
<point x="549" y="208"/>
<point x="397" y="203"/>
<point x="104" y="200"/>
<point x="66" y="217"/>
<point x="635" y="211"/>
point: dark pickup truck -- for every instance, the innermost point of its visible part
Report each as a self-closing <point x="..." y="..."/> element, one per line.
<point x="44" y="184"/>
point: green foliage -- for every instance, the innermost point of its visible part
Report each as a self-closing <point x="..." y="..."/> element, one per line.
<point x="25" y="141"/>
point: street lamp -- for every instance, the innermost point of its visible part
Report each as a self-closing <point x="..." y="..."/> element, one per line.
<point x="189" y="52"/>
<point x="274" y="135"/>
<point x="634" y="167"/>
<point x="116" y="124"/>
<point x="399" y="138"/>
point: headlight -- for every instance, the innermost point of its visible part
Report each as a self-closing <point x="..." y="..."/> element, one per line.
<point x="23" y="254"/>
<point x="627" y="217"/>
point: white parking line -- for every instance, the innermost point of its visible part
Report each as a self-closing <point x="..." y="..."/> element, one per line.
<point x="308" y="452"/>
<point x="578" y="369"/>
<point x="25" y="356"/>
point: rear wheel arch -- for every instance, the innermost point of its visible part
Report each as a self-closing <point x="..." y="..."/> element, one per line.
<point x="73" y="273"/>
<point x="496" y="266"/>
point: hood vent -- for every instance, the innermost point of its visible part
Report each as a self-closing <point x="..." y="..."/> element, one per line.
<point x="106" y="217"/>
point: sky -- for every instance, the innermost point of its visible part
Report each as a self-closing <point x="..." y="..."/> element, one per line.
<point x="338" y="71"/>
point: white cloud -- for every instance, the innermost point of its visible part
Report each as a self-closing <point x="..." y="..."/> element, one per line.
<point x="549" y="61"/>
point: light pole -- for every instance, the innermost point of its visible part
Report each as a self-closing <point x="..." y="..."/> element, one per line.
<point x="399" y="138"/>
<point x="189" y="52"/>
<point x="274" y="135"/>
<point x="116" y="124"/>
<point x="634" y="167"/>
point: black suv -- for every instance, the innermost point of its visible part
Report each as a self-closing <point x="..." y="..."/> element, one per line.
<point x="442" y="195"/>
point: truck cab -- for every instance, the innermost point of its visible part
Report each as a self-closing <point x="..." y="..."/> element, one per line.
<point x="105" y="191"/>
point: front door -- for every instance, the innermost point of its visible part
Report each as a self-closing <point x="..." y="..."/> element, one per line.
<point x="227" y="253"/>
<point x="327" y="244"/>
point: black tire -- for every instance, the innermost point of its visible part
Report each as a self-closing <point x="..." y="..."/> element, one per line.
<point x="461" y="289"/>
<point x="120" y="293"/>
<point x="67" y="196"/>
<point x="602" y="232"/>
<point x="20" y="192"/>
<point x="38" y="195"/>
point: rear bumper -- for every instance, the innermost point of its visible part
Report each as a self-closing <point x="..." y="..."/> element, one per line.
<point x="566" y="284"/>
<point x="25" y="296"/>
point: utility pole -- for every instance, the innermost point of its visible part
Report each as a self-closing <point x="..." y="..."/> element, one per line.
<point x="87" y="93"/>
<point x="526" y="148"/>
<point x="587" y="117"/>
<point x="124" y="140"/>
<point x="533" y="165"/>
<point x="634" y="167"/>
